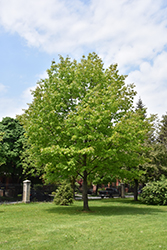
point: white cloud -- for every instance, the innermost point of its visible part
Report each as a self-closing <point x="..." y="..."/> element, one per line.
<point x="27" y="96"/>
<point x="124" y="31"/>
<point x="151" y="82"/>
<point x="9" y="107"/>
<point x="15" y="106"/>
<point x="43" y="75"/>
<point x="128" y="32"/>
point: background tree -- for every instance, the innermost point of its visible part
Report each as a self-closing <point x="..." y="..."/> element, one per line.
<point x="140" y="107"/>
<point x="102" y="178"/>
<point x="2" y="160"/>
<point x="159" y="152"/>
<point x="81" y="121"/>
<point x="157" y="155"/>
<point x="162" y="137"/>
<point x="137" y="172"/>
<point x="155" y="151"/>
<point x="11" y="148"/>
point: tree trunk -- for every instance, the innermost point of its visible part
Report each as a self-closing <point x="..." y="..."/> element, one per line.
<point x="136" y="190"/>
<point x="73" y="185"/>
<point x="97" y="187"/>
<point x="122" y="190"/>
<point x="84" y="192"/>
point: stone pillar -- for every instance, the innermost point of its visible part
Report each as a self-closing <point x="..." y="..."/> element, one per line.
<point x="26" y="191"/>
<point x="122" y="190"/>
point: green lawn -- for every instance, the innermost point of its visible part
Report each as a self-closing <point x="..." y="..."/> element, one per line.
<point x="112" y="224"/>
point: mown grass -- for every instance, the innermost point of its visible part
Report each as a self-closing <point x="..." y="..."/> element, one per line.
<point x="116" y="224"/>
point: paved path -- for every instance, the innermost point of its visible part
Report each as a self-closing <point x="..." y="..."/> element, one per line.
<point x="78" y="197"/>
<point x="10" y="202"/>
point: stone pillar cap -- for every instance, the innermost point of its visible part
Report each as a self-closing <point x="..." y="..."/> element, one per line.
<point x="26" y="181"/>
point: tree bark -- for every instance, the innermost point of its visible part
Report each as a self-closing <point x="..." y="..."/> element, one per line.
<point x="97" y="187"/>
<point x="122" y="190"/>
<point x="84" y="192"/>
<point x="73" y="185"/>
<point x="136" y="190"/>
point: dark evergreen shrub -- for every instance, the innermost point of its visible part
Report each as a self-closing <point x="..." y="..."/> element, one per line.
<point x="63" y="195"/>
<point x="155" y="193"/>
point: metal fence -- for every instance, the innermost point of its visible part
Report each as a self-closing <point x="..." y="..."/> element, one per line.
<point x="10" y="190"/>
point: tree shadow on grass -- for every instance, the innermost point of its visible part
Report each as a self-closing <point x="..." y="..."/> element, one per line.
<point x="107" y="207"/>
<point x="123" y="200"/>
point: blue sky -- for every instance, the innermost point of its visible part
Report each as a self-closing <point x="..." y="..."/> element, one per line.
<point x="131" y="33"/>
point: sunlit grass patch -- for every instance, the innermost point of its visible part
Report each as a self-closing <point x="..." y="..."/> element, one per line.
<point x="111" y="224"/>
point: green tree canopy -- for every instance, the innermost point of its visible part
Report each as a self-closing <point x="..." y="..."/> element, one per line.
<point x="135" y="172"/>
<point x="157" y="153"/>
<point x="153" y="151"/>
<point x="81" y="121"/>
<point x="11" y="148"/>
<point x="163" y="130"/>
<point x="2" y="160"/>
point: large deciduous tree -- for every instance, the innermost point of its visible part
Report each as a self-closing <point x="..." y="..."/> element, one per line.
<point x="81" y="121"/>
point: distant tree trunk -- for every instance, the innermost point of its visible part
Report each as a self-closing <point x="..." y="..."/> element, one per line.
<point x="13" y="177"/>
<point x="84" y="191"/>
<point x="122" y="190"/>
<point x="136" y="190"/>
<point x="73" y="185"/>
<point x="97" y="186"/>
